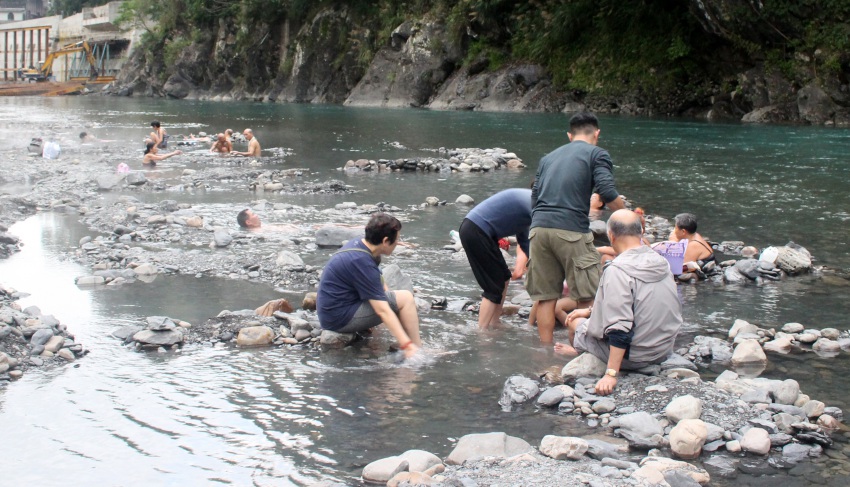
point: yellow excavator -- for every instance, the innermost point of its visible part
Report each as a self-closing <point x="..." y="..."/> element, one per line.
<point x="45" y="70"/>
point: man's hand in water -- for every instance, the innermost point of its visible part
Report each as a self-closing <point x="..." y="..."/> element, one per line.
<point x="411" y="350"/>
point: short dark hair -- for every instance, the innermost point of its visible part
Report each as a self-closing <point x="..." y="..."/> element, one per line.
<point x="83" y="135"/>
<point x="242" y="217"/>
<point x="155" y="124"/>
<point x="583" y="122"/>
<point x="382" y="225"/>
<point x="148" y="147"/>
<point x="631" y="227"/>
<point x="687" y="222"/>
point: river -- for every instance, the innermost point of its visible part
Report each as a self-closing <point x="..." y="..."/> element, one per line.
<point x="288" y="417"/>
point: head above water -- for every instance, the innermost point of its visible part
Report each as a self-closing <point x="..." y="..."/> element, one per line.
<point x="83" y="135"/>
<point x="221" y="137"/>
<point x="155" y="124"/>
<point x="382" y="226"/>
<point x="248" y="219"/>
<point x="228" y="132"/>
<point x="248" y="133"/>
<point x="686" y="222"/>
<point x="148" y="147"/>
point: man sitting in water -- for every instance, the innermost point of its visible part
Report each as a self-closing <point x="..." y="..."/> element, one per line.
<point x="221" y="145"/>
<point x="506" y="213"/>
<point x="698" y="253"/>
<point x="253" y="145"/>
<point x="352" y="296"/>
<point x="248" y="219"/>
<point x="636" y="316"/>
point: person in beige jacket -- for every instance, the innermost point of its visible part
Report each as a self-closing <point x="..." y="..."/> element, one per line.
<point x="637" y="314"/>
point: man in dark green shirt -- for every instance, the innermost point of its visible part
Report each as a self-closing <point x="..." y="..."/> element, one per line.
<point x="561" y="240"/>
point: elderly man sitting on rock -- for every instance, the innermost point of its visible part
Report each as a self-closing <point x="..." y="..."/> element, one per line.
<point x="636" y="316"/>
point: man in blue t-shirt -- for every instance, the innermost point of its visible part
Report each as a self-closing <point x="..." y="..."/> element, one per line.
<point x="352" y="296"/>
<point x="504" y="214"/>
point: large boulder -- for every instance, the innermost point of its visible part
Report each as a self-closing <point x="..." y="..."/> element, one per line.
<point x="331" y="236"/>
<point x="814" y="105"/>
<point x="177" y="86"/>
<point x="381" y="471"/>
<point x="480" y="445"/>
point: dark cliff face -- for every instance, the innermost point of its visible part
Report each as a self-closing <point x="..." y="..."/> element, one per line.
<point x="336" y="57"/>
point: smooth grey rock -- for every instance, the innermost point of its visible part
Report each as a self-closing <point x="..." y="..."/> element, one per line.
<point x="813" y="408"/>
<point x="780" y="439"/>
<point x="465" y="199"/>
<point x="381" y="471"/>
<point x="332" y="339"/>
<point x="676" y="361"/>
<point x="755" y="396"/>
<point x="793" y="261"/>
<point x="89" y="280"/>
<point x="286" y="258"/>
<point x="732" y="276"/>
<point x="640" y="429"/>
<point x="786" y="391"/>
<point x="599" y="449"/>
<point x="585" y="365"/>
<point x="477" y="446"/>
<point x="793" y="328"/>
<point x="41" y="336"/>
<point x="334" y="237"/>
<point x="160" y="323"/>
<point x="126" y="332"/>
<point x="222" y="238"/>
<point x="604" y="405"/>
<point x="748" y="268"/>
<point x="748" y="352"/>
<point x="420" y="460"/>
<point x="550" y="397"/>
<point x="159" y="338"/>
<point x="109" y="181"/>
<point x="721" y="466"/>
<point x="674" y="478"/>
<point x="136" y="178"/>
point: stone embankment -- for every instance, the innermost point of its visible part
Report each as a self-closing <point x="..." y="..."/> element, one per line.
<point x="454" y="160"/>
<point x="29" y="338"/>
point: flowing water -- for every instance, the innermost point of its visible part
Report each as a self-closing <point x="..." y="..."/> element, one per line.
<point x="290" y="417"/>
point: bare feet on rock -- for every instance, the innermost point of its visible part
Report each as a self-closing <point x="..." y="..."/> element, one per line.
<point x="565" y="349"/>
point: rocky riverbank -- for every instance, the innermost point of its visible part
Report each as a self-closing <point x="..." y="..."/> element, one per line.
<point x="30" y="339"/>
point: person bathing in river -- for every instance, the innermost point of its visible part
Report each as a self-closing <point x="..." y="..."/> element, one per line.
<point x="159" y="135"/>
<point x="221" y="145"/>
<point x="253" y="145"/>
<point x="248" y="219"/>
<point x="637" y="314"/>
<point x="352" y="296"/>
<point x="151" y="157"/>
<point x="698" y="253"/>
<point x="506" y="213"/>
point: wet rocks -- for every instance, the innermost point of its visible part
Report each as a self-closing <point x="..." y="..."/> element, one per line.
<point x="517" y="390"/>
<point x="451" y="160"/>
<point x="585" y="365"/>
<point x="331" y="236"/>
<point x="640" y="429"/>
<point x="255" y="336"/>
<point x="222" y="238"/>
<point x="748" y="352"/>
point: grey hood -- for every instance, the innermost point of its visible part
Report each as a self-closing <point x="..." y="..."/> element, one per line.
<point x="643" y="264"/>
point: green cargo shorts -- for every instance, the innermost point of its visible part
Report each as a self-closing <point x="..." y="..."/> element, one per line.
<point x="557" y="254"/>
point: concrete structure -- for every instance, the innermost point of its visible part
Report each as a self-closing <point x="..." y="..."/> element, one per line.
<point x="27" y="43"/>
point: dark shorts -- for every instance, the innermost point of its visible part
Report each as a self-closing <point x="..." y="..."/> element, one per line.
<point x="365" y="316"/>
<point x="485" y="258"/>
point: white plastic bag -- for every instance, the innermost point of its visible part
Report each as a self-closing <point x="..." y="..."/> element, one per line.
<point x="51" y="150"/>
<point x="769" y="255"/>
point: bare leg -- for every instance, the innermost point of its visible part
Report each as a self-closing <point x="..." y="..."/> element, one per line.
<point x="497" y="315"/>
<point x="532" y="316"/>
<point x="487" y="313"/>
<point x="408" y="315"/>
<point x="546" y="320"/>
<point x="562" y="307"/>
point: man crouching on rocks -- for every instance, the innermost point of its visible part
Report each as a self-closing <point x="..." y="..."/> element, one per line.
<point x="636" y="316"/>
<point x="352" y="296"/>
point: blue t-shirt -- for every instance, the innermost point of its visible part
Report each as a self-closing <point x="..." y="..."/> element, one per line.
<point x="504" y="214"/>
<point x="349" y="279"/>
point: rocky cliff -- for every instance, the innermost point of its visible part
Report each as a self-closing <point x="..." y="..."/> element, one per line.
<point x="334" y="56"/>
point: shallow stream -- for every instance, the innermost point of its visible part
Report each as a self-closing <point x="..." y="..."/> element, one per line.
<point x="290" y="417"/>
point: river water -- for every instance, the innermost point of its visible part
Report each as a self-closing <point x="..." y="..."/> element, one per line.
<point x="289" y="417"/>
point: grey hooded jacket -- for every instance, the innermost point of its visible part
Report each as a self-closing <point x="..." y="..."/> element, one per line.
<point x="637" y="293"/>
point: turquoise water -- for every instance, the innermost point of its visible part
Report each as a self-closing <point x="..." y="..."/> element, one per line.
<point x="283" y="416"/>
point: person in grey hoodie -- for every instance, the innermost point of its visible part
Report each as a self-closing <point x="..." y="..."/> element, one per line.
<point x="637" y="314"/>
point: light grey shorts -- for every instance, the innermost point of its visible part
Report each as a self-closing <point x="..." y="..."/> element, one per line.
<point x="365" y="316"/>
<point x="599" y="348"/>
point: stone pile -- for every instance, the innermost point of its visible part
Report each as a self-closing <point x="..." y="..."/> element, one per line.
<point x="500" y="459"/>
<point x="29" y="338"/>
<point x="9" y="244"/>
<point x="456" y="160"/>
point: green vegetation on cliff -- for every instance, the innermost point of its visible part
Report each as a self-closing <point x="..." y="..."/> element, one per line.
<point x="604" y="47"/>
